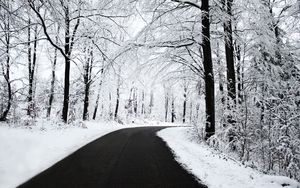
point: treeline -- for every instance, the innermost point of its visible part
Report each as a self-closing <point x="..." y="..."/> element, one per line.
<point x="246" y="56"/>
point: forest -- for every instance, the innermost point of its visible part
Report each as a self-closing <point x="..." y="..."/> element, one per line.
<point x="229" y="68"/>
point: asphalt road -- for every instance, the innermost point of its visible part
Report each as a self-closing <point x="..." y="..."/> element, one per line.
<point x="133" y="157"/>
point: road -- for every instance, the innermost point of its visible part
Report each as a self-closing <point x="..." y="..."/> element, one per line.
<point x="132" y="157"/>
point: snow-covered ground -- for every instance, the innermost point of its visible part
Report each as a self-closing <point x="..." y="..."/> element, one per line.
<point x="28" y="151"/>
<point x="214" y="169"/>
<point x="24" y="152"/>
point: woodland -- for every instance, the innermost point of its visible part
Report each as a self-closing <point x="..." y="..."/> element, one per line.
<point x="230" y="68"/>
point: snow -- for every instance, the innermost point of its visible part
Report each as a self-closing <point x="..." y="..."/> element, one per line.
<point x="215" y="169"/>
<point x="27" y="151"/>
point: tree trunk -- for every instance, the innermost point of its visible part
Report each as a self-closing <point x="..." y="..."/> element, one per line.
<point x="239" y="74"/>
<point x="220" y="72"/>
<point x="86" y="93"/>
<point x="96" y="106"/>
<point x="118" y="94"/>
<point x="117" y="103"/>
<point x="135" y="104"/>
<point x="151" y="103"/>
<point x="166" y="106"/>
<point x="29" y="97"/>
<point x="86" y="101"/>
<point x="184" y="104"/>
<point x="6" y="74"/>
<point x="191" y="111"/>
<point x="110" y="108"/>
<point x="173" y="114"/>
<point x="227" y="4"/>
<point x="51" y="97"/>
<point x="208" y="72"/>
<point x="67" y="66"/>
<point x="87" y="80"/>
<point x="31" y="71"/>
<point x="98" y="95"/>
<point x="143" y="103"/>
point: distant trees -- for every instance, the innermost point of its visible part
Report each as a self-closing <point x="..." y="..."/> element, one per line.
<point x="70" y="14"/>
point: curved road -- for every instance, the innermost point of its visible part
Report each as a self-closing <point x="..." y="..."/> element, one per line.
<point x="133" y="157"/>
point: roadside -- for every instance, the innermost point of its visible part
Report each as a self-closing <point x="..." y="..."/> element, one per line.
<point x="28" y="151"/>
<point x="215" y="169"/>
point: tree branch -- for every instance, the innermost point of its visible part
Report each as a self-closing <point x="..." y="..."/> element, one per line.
<point x="31" y="4"/>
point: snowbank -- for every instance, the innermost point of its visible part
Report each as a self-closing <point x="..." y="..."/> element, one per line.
<point x="26" y="152"/>
<point x="214" y="169"/>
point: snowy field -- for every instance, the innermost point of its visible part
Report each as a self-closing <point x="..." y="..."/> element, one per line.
<point x="214" y="169"/>
<point x="27" y="151"/>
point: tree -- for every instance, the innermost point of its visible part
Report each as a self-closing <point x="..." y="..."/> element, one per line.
<point x="53" y="78"/>
<point x="185" y="42"/>
<point x="69" y="39"/>
<point x="32" y="60"/>
<point x="229" y="51"/>
<point x="87" y="77"/>
<point x="5" y="66"/>
<point x="98" y="94"/>
<point x="118" y="93"/>
<point x="208" y="72"/>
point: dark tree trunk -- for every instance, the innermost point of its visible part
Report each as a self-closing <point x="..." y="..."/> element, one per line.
<point x="87" y="81"/>
<point x="227" y="4"/>
<point x="239" y="74"/>
<point x="118" y="94"/>
<point x="220" y="72"/>
<point x="143" y="103"/>
<point x="208" y="72"/>
<point x="117" y="103"/>
<point x="134" y="101"/>
<point x="66" y="90"/>
<point x="173" y="114"/>
<point x="184" y="104"/>
<point x="97" y="102"/>
<point x="31" y="71"/>
<point x="51" y="97"/>
<point x="29" y="97"/>
<point x="6" y="75"/>
<point x="151" y="103"/>
<point x="86" y="97"/>
<point x="67" y="66"/>
<point x="166" y="106"/>
<point x="96" y="107"/>
<point x="86" y="101"/>
<point x="98" y="96"/>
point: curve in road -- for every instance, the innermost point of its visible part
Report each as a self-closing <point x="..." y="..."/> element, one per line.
<point x="132" y="157"/>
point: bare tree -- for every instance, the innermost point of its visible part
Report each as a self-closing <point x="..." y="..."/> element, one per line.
<point x="5" y="25"/>
<point x="69" y="40"/>
<point x="53" y="78"/>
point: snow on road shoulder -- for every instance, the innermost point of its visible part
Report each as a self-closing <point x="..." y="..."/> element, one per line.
<point x="214" y="169"/>
<point x="26" y="152"/>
